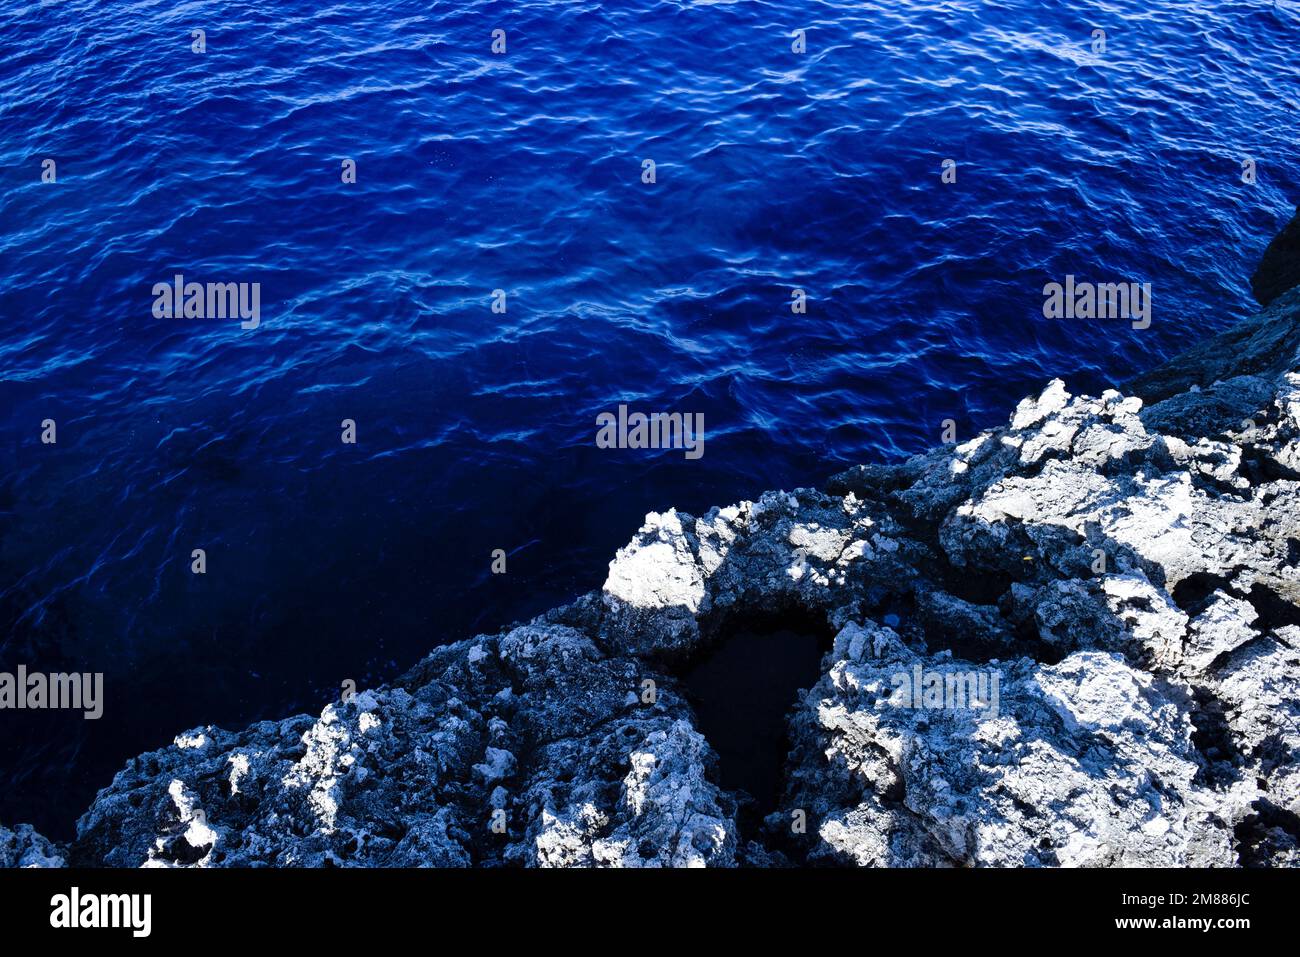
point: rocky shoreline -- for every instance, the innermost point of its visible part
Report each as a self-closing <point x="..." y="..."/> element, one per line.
<point x="1122" y="569"/>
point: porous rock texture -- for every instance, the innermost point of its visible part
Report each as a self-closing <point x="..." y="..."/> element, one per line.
<point x="1125" y="565"/>
<point x="23" y="847"/>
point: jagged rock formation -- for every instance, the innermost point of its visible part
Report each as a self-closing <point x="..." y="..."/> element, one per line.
<point x="23" y="847"/>
<point x="1113" y="579"/>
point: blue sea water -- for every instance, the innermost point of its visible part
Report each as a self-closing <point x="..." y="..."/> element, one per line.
<point x="522" y="171"/>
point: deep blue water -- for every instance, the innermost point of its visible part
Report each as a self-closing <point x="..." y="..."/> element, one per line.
<point x="522" y="171"/>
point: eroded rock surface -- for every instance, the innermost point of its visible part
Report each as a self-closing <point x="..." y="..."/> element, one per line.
<point x="23" y="847"/>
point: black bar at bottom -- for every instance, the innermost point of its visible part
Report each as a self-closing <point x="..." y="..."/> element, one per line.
<point x="331" y="906"/>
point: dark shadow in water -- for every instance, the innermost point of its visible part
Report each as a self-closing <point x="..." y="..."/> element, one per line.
<point x="743" y="688"/>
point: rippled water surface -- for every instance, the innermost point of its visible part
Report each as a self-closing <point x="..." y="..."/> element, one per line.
<point x="522" y="172"/>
